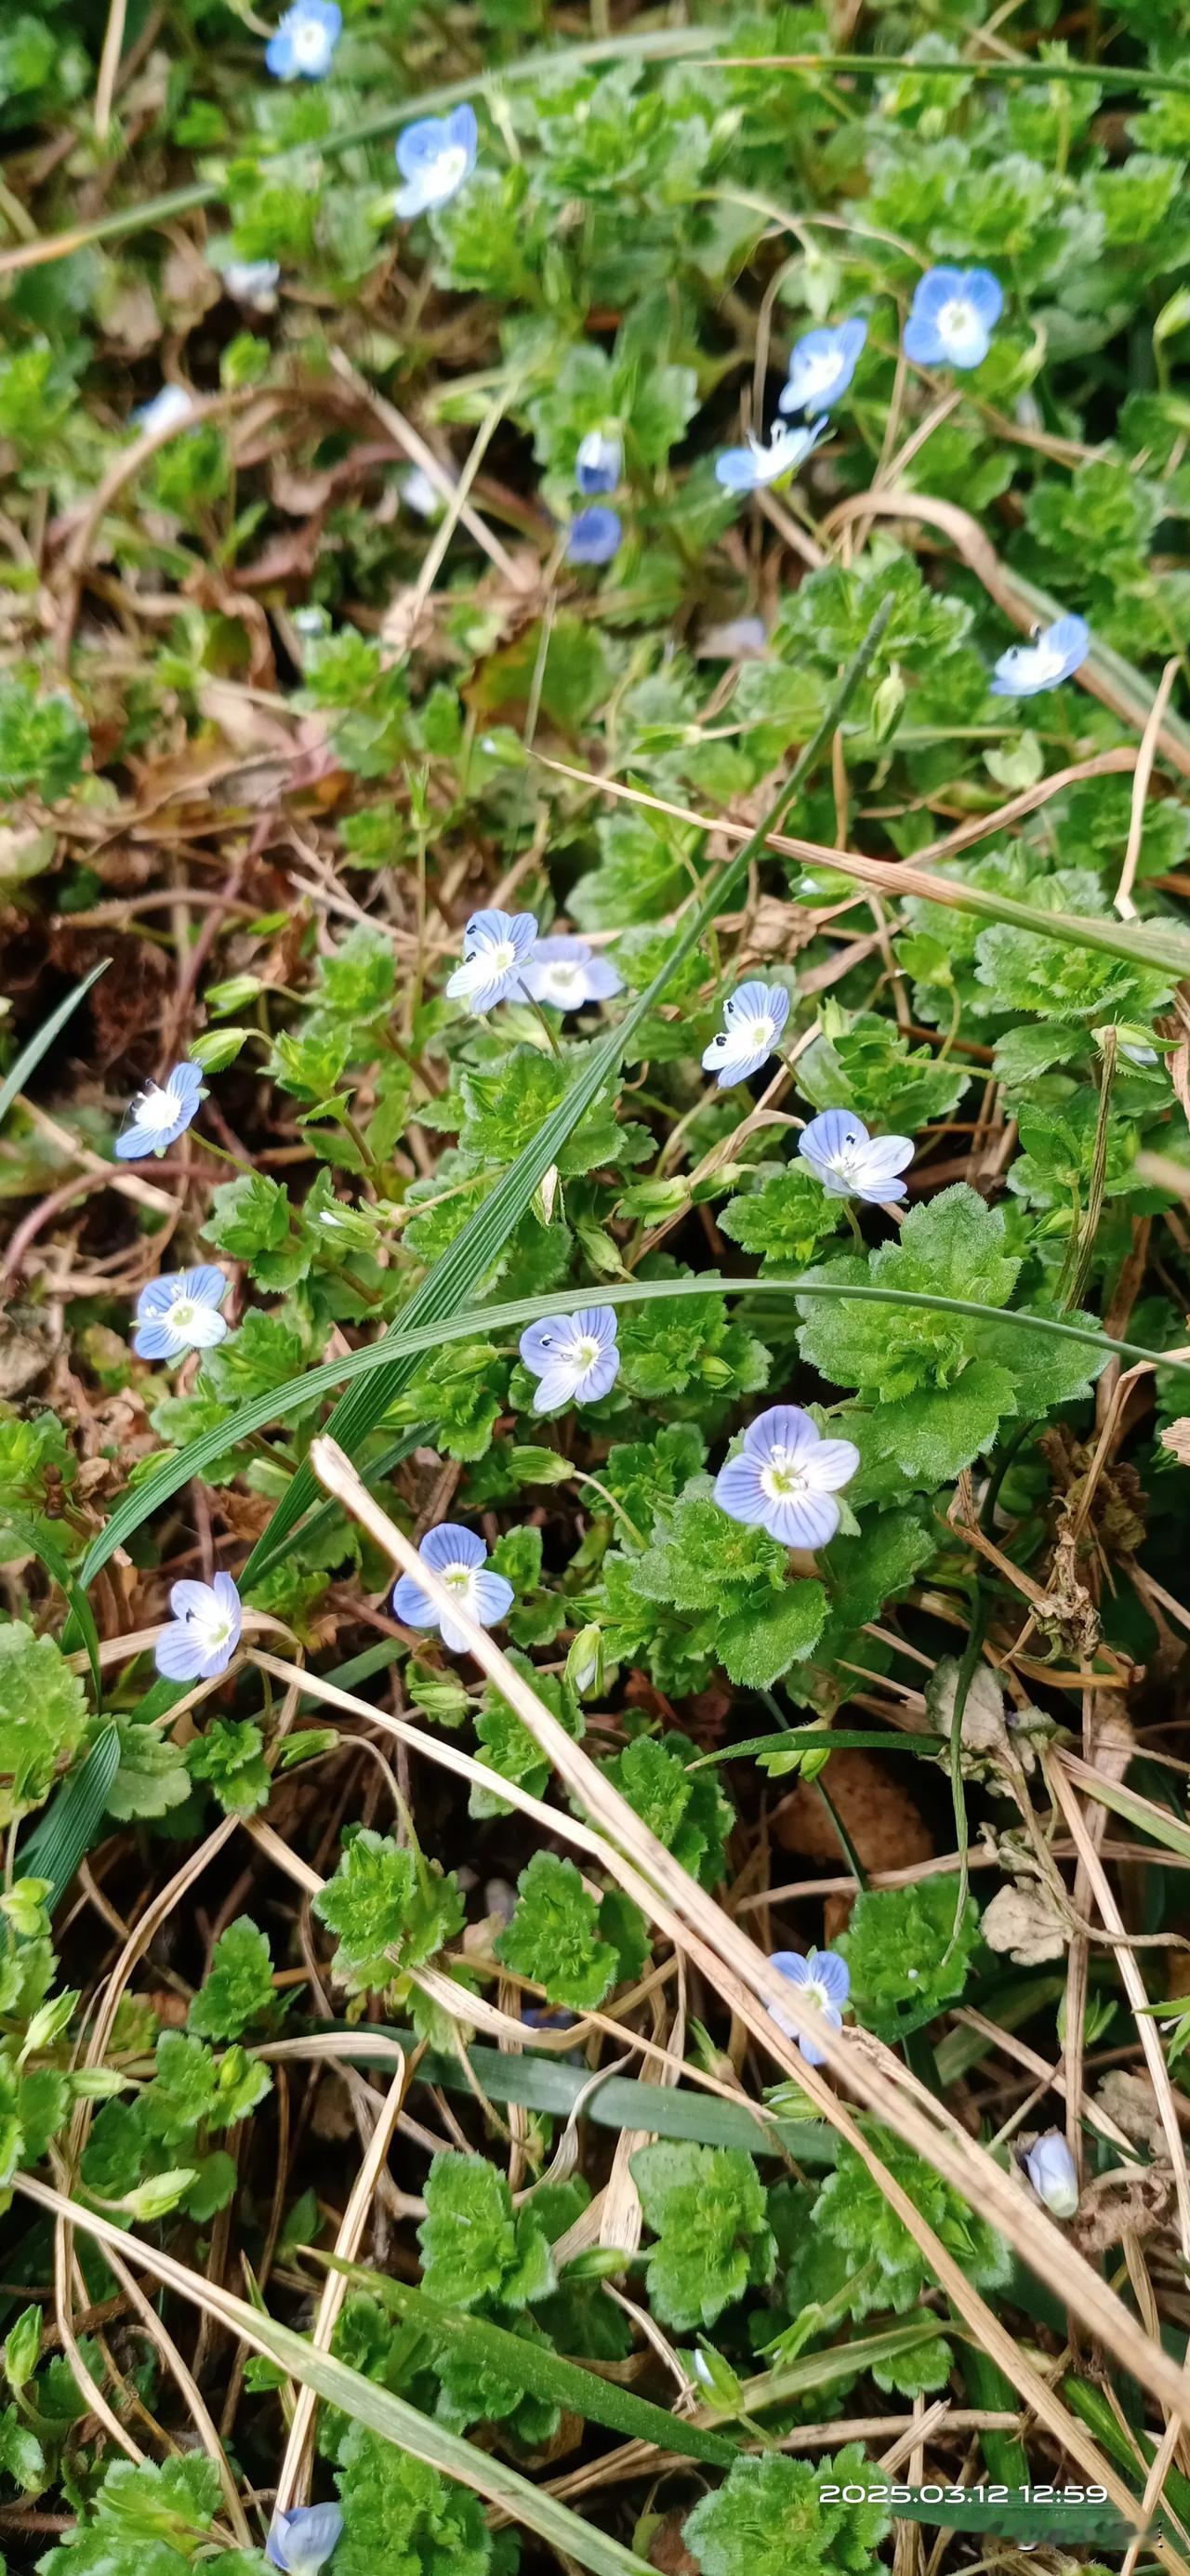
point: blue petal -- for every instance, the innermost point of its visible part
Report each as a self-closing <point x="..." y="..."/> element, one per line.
<point x="412" y="1605"/>
<point x="984" y="291"/>
<point x="739" y="1492"/>
<point x="922" y="342"/>
<point x="451" y="1544"/>
<point x="832" y="1973"/>
<point x="461" y="128"/>
<point x="539" y="1342"/>
<point x="831" y="1132"/>
<point x="594" y="535"/>
<point x="493" y="1598"/>
<point x="939" y="286"/>
<point x="736" y="470"/>
<point x="421" y="144"/>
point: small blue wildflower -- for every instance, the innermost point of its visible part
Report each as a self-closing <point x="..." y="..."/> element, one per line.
<point x="753" y="1018"/>
<point x="204" y="1632"/>
<point x="574" y="1358"/>
<point x="740" y="639"/>
<point x="1051" y="2170"/>
<point x="1055" y="653"/>
<point x="600" y="461"/>
<point x="785" y="1478"/>
<point x="459" y="1558"/>
<point x="751" y="468"/>
<point x="825" y="1981"/>
<point x="180" y="1312"/>
<point x="565" y="972"/>
<point x="435" y="158"/>
<point x="160" y="1113"/>
<point x="253" y="283"/>
<point x="822" y="366"/>
<point x="419" y="494"/>
<point x="851" y="1164"/>
<point x="304" y="43"/>
<point x="301" y="2541"/>
<point x="594" y="535"/>
<point x="168" y="410"/>
<point x="496" y="947"/>
<point x="953" y="316"/>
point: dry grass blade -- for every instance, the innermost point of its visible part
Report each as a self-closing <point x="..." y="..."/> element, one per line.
<point x="750" y="1987"/>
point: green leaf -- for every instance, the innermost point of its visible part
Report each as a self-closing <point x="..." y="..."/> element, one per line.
<point x="73" y="1821"/>
<point x="229" y="1758"/>
<point x="151" y="1777"/>
<point x="707" y="2209"/>
<point x="756" y="1646"/>
<point x="238" y="1988"/>
<point x="42" y="1716"/>
<point x="769" y="2519"/>
<point x="43" y="743"/>
<point x="852" y="2214"/>
<point x="43" y="1038"/>
<point x="552" y="1938"/>
<point x="388" y="1910"/>
<point x="473" y="2245"/>
<point x="905" y="1958"/>
<point x="688" y="1813"/>
<point x="399" y="2513"/>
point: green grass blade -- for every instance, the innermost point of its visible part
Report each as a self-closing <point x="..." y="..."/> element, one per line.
<point x="540" y="2372"/>
<point x="457" y="1273"/>
<point x="71" y="1825"/>
<point x="411" y="1341"/>
<point x="43" y="1038"/>
<point x="548" y="2084"/>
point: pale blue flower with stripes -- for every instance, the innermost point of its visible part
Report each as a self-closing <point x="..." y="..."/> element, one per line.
<point x="752" y="467"/>
<point x="753" y="1018"/>
<point x="851" y="1164"/>
<point x="204" y="1632"/>
<point x="160" y="1113"/>
<point x="953" y="316"/>
<point x="1053" y="654"/>
<point x="497" y="946"/>
<point x="301" y="2541"/>
<point x="824" y="1980"/>
<point x="575" y="1358"/>
<point x="460" y="1560"/>
<point x="785" y="1477"/>
<point x="180" y="1312"/>
<point x="303" y="46"/>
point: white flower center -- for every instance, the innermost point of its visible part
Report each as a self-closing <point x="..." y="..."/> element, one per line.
<point x="565" y="973"/>
<point x="817" y="375"/>
<point x="157" y="1109"/>
<point x="848" y="1157"/>
<point x="958" y="322"/>
<point x="309" y="42"/>
<point x="782" y="1479"/>
<point x="816" y="1994"/>
<point x="182" y="1313"/>
<point x="757" y="1036"/>
<point x="499" y="959"/>
<point x="457" y="1578"/>
<point x="583" y="1354"/>
<point x="447" y="170"/>
<point x="1042" y="662"/>
<point x="212" y="1627"/>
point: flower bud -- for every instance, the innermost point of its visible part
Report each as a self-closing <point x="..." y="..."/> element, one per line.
<point x="1050" y="2168"/>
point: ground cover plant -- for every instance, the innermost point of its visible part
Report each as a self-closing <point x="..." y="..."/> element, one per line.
<point x="595" y="1394"/>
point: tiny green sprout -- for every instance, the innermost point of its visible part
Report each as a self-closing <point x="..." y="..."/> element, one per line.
<point x="24" y="1907"/>
<point x="217" y="1048"/>
<point x="599" y="2263"/>
<point x="21" y="2348"/>
<point x="717" y="2379"/>
<point x="234" y="994"/>
<point x="47" y="2024"/>
<point x="585" y="1663"/>
<point x="158" y="2196"/>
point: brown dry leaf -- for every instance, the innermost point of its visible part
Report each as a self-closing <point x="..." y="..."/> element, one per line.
<point x="189" y="286"/>
<point x="887" y="1829"/>
<point x="131" y="322"/>
<point x="667" y="2549"/>
<point x="1026" y="1923"/>
<point x="1176" y="1438"/>
<point x="241" y="719"/>
<point x="1132" y="2104"/>
<point x="1123" y="2203"/>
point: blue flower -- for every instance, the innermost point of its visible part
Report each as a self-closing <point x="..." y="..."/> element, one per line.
<point x="301" y="2541"/>
<point x="573" y="1357"/>
<point x="785" y="1478"/>
<point x="822" y="366"/>
<point x="180" y="1312"/>
<point x="851" y="1164"/>
<point x="204" y="1633"/>
<point x="954" y="313"/>
<point x="419" y="494"/>
<point x="750" y="468"/>
<point x="459" y="1558"/>
<point x="824" y="1979"/>
<point x="168" y="410"/>
<point x="594" y="535"/>
<point x="600" y="461"/>
<point x="496" y="946"/>
<point x="1055" y="653"/>
<point x="753" y="1017"/>
<point x="304" y="43"/>
<point x="160" y="1113"/>
<point x="435" y="157"/>
<point x="253" y="282"/>
<point x="564" y="971"/>
<point x="1051" y="2170"/>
